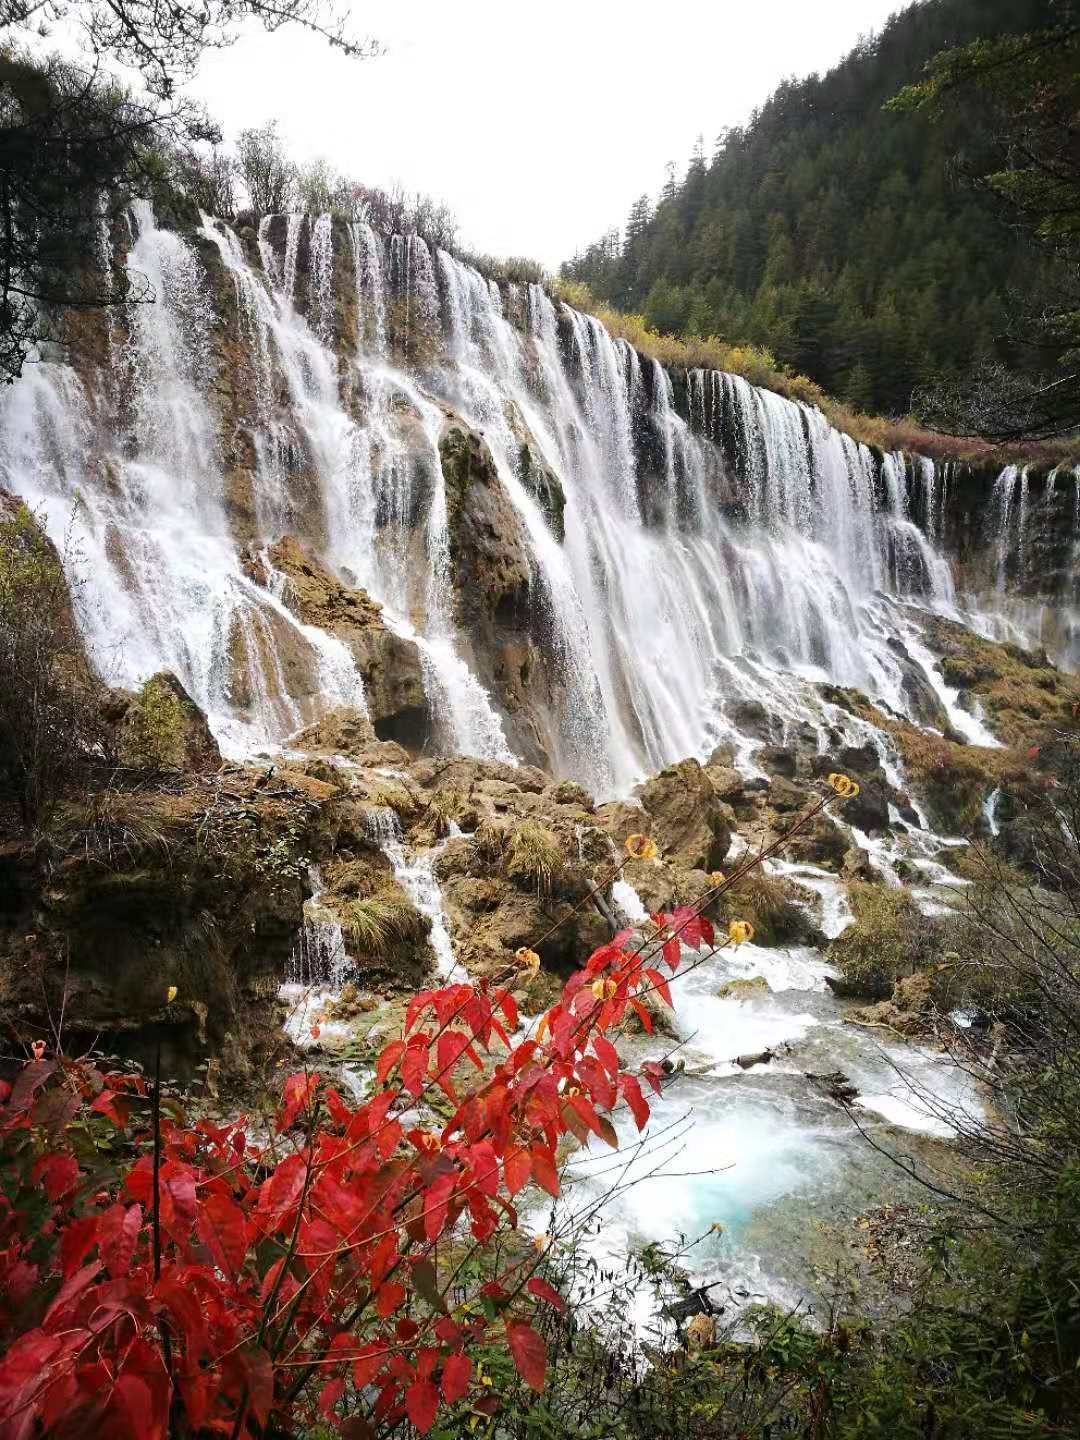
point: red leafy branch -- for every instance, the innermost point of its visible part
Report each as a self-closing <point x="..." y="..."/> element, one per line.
<point x="185" y="1279"/>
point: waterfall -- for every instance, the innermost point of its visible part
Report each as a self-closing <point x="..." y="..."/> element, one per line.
<point x="416" y="876"/>
<point x="714" y="544"/>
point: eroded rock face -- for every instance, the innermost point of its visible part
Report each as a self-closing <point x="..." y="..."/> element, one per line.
<point x="199" y="885"/>
<point x="497" y="606"/>
<point x="390" y="665"/>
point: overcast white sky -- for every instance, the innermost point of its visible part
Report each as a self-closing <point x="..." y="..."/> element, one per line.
<point x="539" y="125"/>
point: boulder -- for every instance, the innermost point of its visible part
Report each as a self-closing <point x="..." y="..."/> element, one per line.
<point x="700" y="1333"/>
<point x="689" y="822"/>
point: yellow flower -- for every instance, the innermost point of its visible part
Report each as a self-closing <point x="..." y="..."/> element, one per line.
<point x="716" y="1227"/>
<point x="170" y="995"/>
<point x="541" y="1243"/>
<point x="740" y="930"/>
<point x="527" y="959"/>
<point x="844" y="786"/>
<point x="640" y="847"/>
<point x="603" y="987"/>
<point x="717" y="877"/>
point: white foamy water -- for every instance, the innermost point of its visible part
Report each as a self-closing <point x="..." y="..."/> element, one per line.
<point x="717" y="545"/>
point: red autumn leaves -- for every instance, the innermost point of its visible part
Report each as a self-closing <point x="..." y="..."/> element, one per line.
<point x="303" y="1276"/>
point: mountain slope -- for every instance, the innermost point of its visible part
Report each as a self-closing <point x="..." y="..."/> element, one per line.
<point x="835" y="233"/>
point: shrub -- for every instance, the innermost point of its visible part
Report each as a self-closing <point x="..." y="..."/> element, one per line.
<point x="346" y="1269"/>
<point x="154" y="728"/>
<point x="445" y="805"/>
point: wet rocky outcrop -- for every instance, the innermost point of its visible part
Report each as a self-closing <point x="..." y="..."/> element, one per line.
<point x="1021" y="694"/>
<point x="498" y="603"/>
<point x="910" y="1010"/>
<point x="390" y="665"/>
<point x="196" y="882"/>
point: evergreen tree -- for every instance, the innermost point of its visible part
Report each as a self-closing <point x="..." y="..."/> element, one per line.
<point x="828" y="214"/>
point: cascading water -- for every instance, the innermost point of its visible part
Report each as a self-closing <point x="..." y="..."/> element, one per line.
<point x="718" y="544"/>
<point x="416" y="876"/>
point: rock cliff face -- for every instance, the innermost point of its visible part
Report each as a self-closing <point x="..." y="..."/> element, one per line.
<point x="389" y="665"/>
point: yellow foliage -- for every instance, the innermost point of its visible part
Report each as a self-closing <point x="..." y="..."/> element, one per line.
<point x="760" y="367"/>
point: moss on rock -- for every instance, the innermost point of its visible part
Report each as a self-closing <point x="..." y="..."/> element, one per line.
<point x="890" y="939"/>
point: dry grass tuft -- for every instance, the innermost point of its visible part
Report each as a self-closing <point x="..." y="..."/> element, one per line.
<point x="534" y="855"/>
<point x="375" y="925"/>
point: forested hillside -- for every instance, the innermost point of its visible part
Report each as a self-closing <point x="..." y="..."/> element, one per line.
<point x="837" y="233"/>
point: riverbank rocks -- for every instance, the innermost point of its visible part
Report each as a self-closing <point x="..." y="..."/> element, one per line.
<point x="390" y="665"/>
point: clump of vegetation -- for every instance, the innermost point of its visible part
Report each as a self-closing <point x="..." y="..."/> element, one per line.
<point x="534" y="855"/>
<point x="114" y="828"/>
<point x="375" y="925"/>
<point x="154" y="727"/>
<point x="507" y="269"/>
<point x="769" y="904"/>
<point x="491" y="839"/>
<point x="890" y="938"/>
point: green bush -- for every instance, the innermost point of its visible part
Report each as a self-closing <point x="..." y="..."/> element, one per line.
<point x="154" y="728"/>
